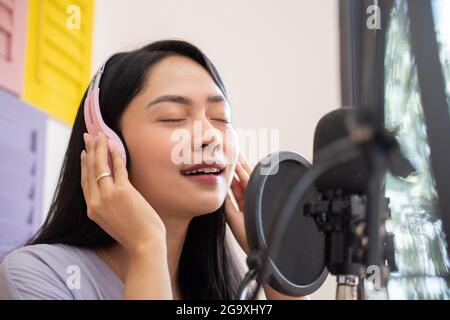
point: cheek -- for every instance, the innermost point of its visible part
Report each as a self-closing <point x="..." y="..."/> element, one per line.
<point x="152" y="172"/>
<point x="151" y="152"/>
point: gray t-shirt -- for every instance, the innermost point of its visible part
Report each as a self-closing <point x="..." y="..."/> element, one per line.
<point x="57" y="272"/>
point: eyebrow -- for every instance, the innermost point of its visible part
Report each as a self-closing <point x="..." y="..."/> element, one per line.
<point x="184" y="100"/>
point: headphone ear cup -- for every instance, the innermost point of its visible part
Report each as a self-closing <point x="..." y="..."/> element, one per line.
<point x="95" y="124"/>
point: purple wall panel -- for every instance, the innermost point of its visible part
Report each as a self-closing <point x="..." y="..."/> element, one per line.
<point x="22" y="152"/>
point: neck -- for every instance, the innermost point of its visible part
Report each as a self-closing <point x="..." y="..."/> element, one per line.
<point x="176" y="229"/>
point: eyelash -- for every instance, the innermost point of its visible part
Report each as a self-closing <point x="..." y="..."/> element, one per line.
<point x="173" y="120"/>
<point x="221" y="120"/>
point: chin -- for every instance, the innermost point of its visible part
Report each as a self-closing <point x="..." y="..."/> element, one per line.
<point x="206" y="206"/>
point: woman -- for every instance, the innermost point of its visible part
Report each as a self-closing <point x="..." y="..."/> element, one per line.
<point x="154" y="229"/>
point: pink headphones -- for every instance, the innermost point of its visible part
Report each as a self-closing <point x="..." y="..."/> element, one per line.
<point x="94" y="120"/>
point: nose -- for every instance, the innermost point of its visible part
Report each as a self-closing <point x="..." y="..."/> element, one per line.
<point x="207" y="138"/>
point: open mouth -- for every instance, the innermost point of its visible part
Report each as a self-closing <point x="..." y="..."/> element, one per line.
<point x="204" y="171"/>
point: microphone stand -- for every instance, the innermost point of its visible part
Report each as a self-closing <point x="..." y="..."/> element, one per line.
<point x="347" y="287"/>
<point x="350" y="221"/>
<point x="342" y="218"/>
<point x="353" y="223"/>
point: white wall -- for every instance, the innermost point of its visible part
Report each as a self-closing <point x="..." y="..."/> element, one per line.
<point x="58" y="134"/>
<point x="278" y="59"/>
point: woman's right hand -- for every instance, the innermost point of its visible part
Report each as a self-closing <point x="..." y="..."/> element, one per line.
<point x="113" y="203"/>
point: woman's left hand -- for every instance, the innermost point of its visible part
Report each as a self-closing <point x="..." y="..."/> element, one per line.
<point x="235" y="216"/>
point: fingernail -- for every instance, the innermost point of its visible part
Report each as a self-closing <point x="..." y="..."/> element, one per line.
<point x="85" y="137"/>
<point x="83" y="154"/>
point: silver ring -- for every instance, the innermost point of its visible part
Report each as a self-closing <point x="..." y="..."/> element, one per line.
<point x="102" y="175"/>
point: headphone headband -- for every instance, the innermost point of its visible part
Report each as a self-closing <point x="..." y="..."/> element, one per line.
<point x="95" y="83"/>
<point x="94" y="120"/>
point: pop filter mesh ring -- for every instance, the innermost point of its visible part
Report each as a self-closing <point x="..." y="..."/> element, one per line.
<point x="254" y="225"/>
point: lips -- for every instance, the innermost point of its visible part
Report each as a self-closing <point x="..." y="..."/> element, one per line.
<point x="203" y="169"/>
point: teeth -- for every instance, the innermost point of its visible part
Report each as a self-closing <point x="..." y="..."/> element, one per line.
<point x="205" y="170"/>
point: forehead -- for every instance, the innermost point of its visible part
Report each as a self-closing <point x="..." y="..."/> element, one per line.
<point x="179" y="74"/>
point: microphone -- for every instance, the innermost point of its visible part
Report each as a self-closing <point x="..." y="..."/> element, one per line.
<point x="351" y="176"/>
<point x="305" y="221"/>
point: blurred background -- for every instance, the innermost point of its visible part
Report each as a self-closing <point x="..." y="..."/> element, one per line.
<point x="285" y="64"/>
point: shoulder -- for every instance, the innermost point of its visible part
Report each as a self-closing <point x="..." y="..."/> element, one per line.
<point x="37" y="272"/>
<point x="41" y="251"/>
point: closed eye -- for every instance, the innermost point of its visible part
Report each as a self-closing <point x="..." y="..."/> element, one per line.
<point x="173" y="120"/>
<point x="222" y="120"/>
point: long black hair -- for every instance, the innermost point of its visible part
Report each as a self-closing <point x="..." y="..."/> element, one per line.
<point x="206" y="268"/>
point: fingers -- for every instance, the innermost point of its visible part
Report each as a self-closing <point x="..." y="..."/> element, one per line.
<point x="238" y="193"/>
<point x="230" y="208"/>
<point x="90" y="170"/>
<point x="235" y="220"/>
<point x="244" y="164"/>
<point x="236" y="188"/>
<point x="94" y="161"/>
<point x="243" y="170"/>
<point x="120" y="171"/>
<point x="84" y="177"/>
<point x="231" y="212"/>
<point x="101" y="164"/>
<point x="239" y="183"/>
<point x="242" y="175"/>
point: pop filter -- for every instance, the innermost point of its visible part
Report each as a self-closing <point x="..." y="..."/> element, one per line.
<point x="298" y="268"/>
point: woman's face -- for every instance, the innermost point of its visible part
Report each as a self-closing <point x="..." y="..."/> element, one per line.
<point x="180" y="120"/>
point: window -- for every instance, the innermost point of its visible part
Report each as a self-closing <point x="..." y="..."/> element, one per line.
<point x="421" y="256"/>
<point x="441" y="11"/>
